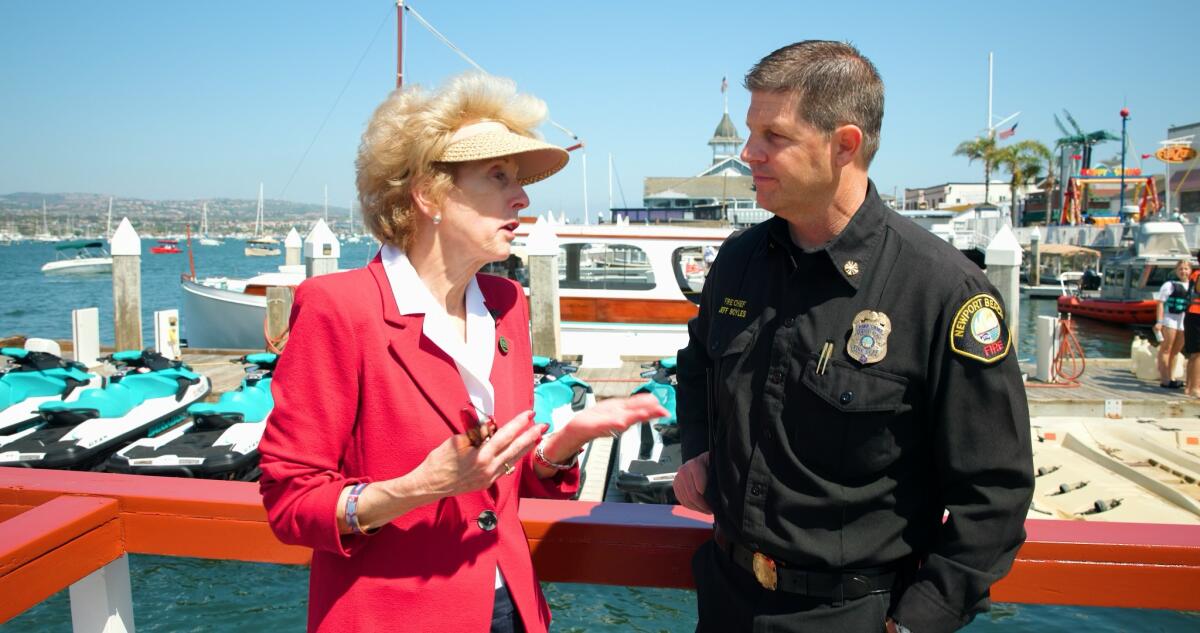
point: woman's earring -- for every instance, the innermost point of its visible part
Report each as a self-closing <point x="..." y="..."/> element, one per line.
<point x="437" y="218"/>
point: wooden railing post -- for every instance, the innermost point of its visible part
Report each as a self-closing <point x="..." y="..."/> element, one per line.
<point x="103" y="600"/>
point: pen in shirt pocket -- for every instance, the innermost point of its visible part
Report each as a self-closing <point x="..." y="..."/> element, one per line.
<point x="823" y="359"/>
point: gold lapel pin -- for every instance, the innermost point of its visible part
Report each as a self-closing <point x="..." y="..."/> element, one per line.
<point x="503" y="345"/>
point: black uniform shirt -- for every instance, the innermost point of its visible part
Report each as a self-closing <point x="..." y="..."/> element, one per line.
<point x="850" y="464"/>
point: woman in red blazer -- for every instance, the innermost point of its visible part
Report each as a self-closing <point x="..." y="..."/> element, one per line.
<point x="373" y="456"/>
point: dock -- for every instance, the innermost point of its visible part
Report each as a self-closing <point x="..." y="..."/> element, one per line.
<point x="1108" y="389"/>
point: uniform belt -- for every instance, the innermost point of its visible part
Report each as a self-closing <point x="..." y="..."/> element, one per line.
<point x="834" y="585"/>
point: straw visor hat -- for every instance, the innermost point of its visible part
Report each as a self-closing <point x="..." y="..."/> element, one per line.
<point x="536" y="160"/>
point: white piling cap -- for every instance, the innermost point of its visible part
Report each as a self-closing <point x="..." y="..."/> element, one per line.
<point x="1003" y="250"/>
<point x="125" y="240"/>
<point x="1036" y="235"/>
<point x="321" y="243"/>
<point x="293" y="239"/>
<point x="542" y="238"/>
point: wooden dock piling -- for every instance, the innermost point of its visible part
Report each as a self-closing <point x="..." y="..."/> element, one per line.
<point x="544" y="310"/>
<point x="279" y="308"/>
<point x="127" y="286"/>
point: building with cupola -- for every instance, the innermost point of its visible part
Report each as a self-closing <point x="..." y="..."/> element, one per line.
<point x="722" y="193"/>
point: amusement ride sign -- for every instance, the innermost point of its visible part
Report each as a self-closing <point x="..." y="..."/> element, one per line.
<point x="1175" y="154"/>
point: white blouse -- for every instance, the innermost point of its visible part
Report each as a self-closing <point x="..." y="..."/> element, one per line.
<point x="474" y="356"/>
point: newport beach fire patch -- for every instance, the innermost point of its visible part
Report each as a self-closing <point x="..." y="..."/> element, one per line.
<point x="978" y="330"/>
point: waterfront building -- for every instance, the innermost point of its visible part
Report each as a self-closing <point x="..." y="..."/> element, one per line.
<point x="721" y="193"/>
<point x="1185" y="177"/>
<point x="959" y="196"/>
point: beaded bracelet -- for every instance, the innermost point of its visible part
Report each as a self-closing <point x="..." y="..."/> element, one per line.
<point x="540" y="457"/>
<point x="352" y="509"/>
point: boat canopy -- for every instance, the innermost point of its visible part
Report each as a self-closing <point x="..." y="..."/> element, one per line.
<point x="77" y="244"/>
<point x="1067" y="250"/>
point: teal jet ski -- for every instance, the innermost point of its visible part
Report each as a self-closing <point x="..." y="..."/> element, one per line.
<point x="32" y="378"/>
<point x="649" y="453"/>
<point x="557" y="396"/>
<point x="219" y="441"/>
<point x="147" y="395"/>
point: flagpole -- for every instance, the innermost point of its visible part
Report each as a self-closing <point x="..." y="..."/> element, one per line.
<point x="990" y="129"/>
<point x="1124" y="120"/>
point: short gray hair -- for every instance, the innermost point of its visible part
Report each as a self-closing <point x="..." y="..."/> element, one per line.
<point x="835" y="83"/>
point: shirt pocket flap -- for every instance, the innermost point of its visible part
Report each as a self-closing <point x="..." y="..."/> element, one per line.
<point x="856" y="389"/>
<point x="727" y="343"/>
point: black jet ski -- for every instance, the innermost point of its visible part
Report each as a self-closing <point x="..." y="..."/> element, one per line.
<point x="219" y="441"/>
<point x="147" y="395"/>
<point x="649" y="453"/>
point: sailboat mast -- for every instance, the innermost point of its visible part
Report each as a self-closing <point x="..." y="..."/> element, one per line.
<point x="990" y="129"/>
<point x="326" y="204"/>
<point x="610" y="202"/>
<point x="399" y="45"/>
<point x="108" y="229"/>
<point x="585" y="193"/>
<point x="45" y="221"/>
<point x="258" y="216"/>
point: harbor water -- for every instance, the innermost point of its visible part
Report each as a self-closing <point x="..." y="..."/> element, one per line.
<point x="181" y="594"/>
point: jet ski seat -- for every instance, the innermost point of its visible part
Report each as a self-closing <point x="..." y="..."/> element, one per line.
<point x="250" y="403"/>
<point x="149" y="376"/>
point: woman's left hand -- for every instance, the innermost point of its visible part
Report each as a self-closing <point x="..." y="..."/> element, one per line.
<point x="613" y="416"/>
<point x="607" y="417"/>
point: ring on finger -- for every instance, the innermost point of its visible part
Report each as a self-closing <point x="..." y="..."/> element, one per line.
<point x="508" y="468"/>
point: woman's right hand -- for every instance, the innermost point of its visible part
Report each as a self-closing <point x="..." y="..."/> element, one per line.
<point x="455" y="466"/>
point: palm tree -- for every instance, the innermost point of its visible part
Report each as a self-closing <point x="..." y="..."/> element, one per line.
<point x="982" y="149"/>
<point x="1077" y="141"/>
<point x="1023" y="161"/>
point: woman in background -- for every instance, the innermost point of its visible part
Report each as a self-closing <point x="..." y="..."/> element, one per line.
<point x="1168" y="326"/>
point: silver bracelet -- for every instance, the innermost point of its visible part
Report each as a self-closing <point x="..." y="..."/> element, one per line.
<point x="540" y="457"/>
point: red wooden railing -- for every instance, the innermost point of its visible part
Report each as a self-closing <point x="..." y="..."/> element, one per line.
<point x="56" y="527"/>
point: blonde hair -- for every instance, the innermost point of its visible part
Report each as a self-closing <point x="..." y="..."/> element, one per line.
<point x="411" y="129"/>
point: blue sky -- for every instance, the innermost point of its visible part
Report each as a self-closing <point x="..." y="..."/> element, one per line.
<point x="197" y="100"/>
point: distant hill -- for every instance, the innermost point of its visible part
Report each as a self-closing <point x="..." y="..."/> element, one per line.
<point x="86" y="213"/>
<point x="89" y="203"/>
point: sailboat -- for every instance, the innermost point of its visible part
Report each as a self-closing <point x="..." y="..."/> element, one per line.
<point x="45" y="235"/>
<point x="352" y="237"/>
<point x="261" y="245"/>
<point x="205" y="240"/>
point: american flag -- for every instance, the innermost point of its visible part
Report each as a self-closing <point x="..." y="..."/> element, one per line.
<point x="1009" y="132"/>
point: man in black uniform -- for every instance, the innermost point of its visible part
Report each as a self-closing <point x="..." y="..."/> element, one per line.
<point x="850" y="409"/>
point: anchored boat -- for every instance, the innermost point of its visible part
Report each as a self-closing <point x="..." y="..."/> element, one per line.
<point x="80" y="257"/>
<point x="1125" y="291"/>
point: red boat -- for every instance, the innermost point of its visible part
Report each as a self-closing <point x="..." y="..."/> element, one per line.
<point x="1111" y="310"/>
<point x="166" y="247"/>
<point x="1125" y="293"/>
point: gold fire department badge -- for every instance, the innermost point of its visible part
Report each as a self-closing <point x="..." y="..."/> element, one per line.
<point x="868" y="337"/>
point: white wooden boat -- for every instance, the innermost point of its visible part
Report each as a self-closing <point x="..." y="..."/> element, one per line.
<point x="623" y="290"/>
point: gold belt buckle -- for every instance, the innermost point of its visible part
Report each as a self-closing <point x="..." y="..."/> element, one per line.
<point x="764" y="571"/>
